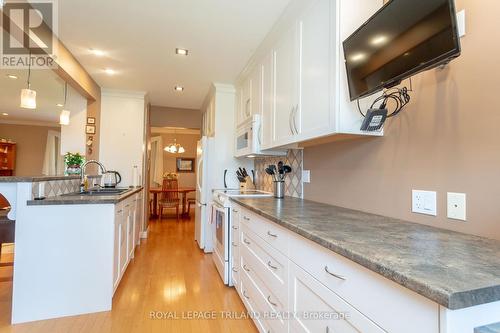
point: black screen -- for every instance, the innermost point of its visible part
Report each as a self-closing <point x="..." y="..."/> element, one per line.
<point x="403" y="38"/>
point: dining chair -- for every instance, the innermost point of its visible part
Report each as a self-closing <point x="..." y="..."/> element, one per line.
<point x="169" y="196"/>
<point x="190" y="201"/>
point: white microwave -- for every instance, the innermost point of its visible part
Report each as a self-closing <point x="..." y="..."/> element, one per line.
<point x="248" y="139"/>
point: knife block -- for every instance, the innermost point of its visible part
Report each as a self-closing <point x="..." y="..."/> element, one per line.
<point x="248" y="184"/>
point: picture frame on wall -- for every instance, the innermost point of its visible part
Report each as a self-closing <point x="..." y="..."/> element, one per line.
<point x="91" y="120"/>
<point x="90" y="129"/>
<point x="185" y="164"/>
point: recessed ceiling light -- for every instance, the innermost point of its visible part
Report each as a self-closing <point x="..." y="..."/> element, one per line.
<point x="379" y="40"/>
<point x="183" y="52"/>
<point x="179" y="88"/>
<point x="109" y="71"/>
<point x="12" y="76"/>
<point x="4" y="114"/>
<point x="59" y="105"/>
<point x="358" y="57"/>
<point x="98" y="53"/>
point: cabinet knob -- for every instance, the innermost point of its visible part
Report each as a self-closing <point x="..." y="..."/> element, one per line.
<point x="234" y="244"/>
<point x="340" y="277"/>
<point x="246" y="242"/>
<point x="246" y="268"/>
<point x="246" y="218"/>
<point x="235" y="227"/>
<point x="235" y="211"/>
<point x="245" y="294"/>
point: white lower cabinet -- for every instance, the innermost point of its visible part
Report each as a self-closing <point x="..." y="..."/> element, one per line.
<point x="318" y="309"/>
<point x="291" y="284"/>
<point x="128" y="214"/>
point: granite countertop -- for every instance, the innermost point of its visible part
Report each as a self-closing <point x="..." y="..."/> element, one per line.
<point x="34" y="179"/>
<point x="452" y="269"/>
<point x="493" y="328"/>
<point x="85" y="199"/>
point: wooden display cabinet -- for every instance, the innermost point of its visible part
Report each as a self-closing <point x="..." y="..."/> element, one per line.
<point x="7" y="158"/>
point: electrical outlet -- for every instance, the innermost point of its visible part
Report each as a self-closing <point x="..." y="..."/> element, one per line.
<point x="306" y="176"/>
<point x="457" y="209"/>
<point x="424" y="202"/>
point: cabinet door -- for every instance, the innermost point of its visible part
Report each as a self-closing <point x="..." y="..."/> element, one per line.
<point x="123" y="242"/>
<point x="316" y="114"/>
<point x="116" y="250"/>
<point x="285" y="87"/>
<point x="308" y="298"/>
<point x="130" y="230"/>
<point x="266" y="129"/>
<point x="256" y="91"/>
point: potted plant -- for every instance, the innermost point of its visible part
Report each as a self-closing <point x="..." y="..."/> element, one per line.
<point x="73" y="163"/>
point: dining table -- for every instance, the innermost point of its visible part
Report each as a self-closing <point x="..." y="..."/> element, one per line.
<point x="184" y="191"/>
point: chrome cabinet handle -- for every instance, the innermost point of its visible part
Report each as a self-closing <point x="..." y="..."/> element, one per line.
<point x="246" y="242"/>
<point x="119" y="211"/>
<point x="271" y="302"/>
<point x="234" y="244"/>
<point x="327" y="329"/>
<point x="290" y="121"/>
<point x="235" y="228"/>
<point x="246" y="268"/>
<point x="245" y="294"/>
<point x="235" y="270"/>
<point x="271" y="265"/>
<point x="340" y="277"/>
<point x="246" y="218"/>
<point x="294" y="117"/>
<point x="235" y="211"/>
<point x="272" y="235"/>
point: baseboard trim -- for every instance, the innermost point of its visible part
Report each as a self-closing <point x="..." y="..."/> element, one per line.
<point x="144" y="234"/>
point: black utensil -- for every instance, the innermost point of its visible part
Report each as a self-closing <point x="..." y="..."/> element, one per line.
<point x="245" y="173"/>
<point x="270" y="172"/>
<point x="287" y="168"/>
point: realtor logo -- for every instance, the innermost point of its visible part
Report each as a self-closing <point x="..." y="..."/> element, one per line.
<point x="28" y="34"/>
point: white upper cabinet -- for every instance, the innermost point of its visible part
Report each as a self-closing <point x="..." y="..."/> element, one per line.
<point x="286" y="104"/>
<point x="298" y="79"/>
<point x="317" y="84"/>
<point x="267" y="124"/>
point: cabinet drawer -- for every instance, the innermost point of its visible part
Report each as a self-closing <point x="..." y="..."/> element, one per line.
<point x="253" y="303"/>
<point x="375" y="296"/>
<point x="271" y="319"/>
<point x="273" y="234"/>
<point x="318" y="309"/>
<point x="267" y="268"/>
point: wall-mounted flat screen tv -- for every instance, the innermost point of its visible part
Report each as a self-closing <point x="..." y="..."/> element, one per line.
<point x="403" y="38"/>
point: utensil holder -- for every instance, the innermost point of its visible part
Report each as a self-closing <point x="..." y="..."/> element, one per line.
<point x="279" y="189"/>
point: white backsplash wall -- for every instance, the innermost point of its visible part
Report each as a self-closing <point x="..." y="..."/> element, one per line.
<point x="293" y="181"/>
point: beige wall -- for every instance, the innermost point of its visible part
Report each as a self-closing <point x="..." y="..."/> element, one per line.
<point x="31" y="142"/>
<point x="447" y="140"/>
<point x="171" y="117"/>
<point x="189" y="142"/>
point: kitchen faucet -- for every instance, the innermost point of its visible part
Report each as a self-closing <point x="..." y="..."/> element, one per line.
<point x="84" y="166"/>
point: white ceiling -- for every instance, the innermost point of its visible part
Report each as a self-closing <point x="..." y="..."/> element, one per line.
<point x="140" y="38"/>
<point x="50" y="91"/>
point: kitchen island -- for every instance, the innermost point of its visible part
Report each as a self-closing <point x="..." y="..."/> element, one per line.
<point x="393" y="272"/>
<point x="71" y="251"/>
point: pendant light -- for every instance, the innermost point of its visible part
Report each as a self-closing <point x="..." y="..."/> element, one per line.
<point x="64" y="117"/>
<point x="28" y="96"/>
<point x="174" y="147"/>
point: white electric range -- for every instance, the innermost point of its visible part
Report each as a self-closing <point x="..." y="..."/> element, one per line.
<point x="222" y="224"/>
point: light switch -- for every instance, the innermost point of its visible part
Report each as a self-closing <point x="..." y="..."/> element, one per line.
<point x="306" y="176"/>
<point x="457" y="206"/>
<point x="424" y="202"/>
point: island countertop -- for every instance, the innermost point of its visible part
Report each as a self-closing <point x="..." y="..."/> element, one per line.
<point x="85" y="199"/>
<point x="452" y="269"/>
<point x="34" y="179"/>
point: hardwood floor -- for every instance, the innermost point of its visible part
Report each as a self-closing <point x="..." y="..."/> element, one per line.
<point x="169" y="276"/>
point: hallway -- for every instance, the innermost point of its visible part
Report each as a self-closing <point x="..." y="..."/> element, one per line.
<point x="169" y="277"/>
